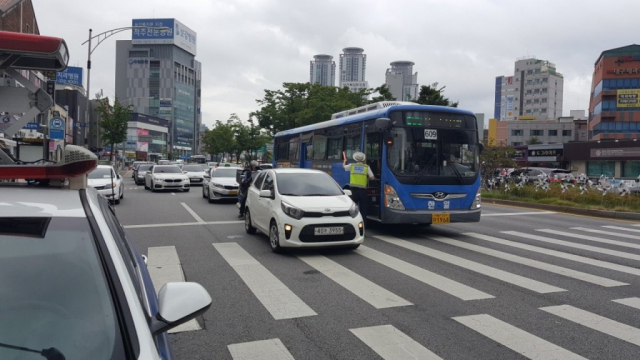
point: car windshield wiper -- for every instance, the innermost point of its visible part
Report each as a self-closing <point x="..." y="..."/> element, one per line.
<point x="317" y="195"/>
<point x="455" y="170"/>
<point x="423" y="171"/>
<point x="289" y="194"/>
<point x="49" y="354"/>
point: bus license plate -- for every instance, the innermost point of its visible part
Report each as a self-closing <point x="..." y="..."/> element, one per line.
<point x="441" y="218"/>
<point x="338" y="230"/>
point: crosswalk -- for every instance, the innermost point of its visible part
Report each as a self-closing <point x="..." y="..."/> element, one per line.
<point x="547" y="253"/>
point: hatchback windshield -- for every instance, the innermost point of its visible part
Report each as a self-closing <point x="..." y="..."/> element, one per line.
<point x="54" y="292"/>
<point x="193" y="168"/>
<point x="168" y="169"/>
<point x="307" y="184"/>
<point x="224" y="173"/>
<point x="144" y="167"/>
<point x="100" y="173"/>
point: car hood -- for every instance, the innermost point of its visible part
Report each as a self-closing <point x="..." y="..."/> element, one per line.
<point x="224" y="181"/>
<point x="319" y="203"/>
<point x="99" y="182"/>
<point x="169" y="176"/>
<point x="195" y="173"/>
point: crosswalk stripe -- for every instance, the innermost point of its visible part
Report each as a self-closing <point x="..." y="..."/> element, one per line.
<point x="368" y="291"/>
<point x="164" y="266"/>
<point x="559" y="254"/>
<point x="392" y="344"/>
<point x="275" y="296"/>
<point x="590" y="238"/>
<point x="616" y="234"/>
<point x="505" y="276"/>
<point x="516" y="339"/>
<point x="621" y="228"/>
<point x="594" y="279"/>
<point x="272" y="349"/>
<point x="596" y="322"/>
<point x="633" y="302"/>
<point x="439" y="282"/>
<point x="575" y="245"/>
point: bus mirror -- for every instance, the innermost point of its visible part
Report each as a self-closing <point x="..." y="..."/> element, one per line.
<point x="381" y="124"/>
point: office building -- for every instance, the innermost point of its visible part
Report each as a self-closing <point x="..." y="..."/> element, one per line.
<point x="614" y="107"/>
<point x="157" y="73"/>
<point x="522" y="132"/>
<point x="401" y="80"/>
<point x="534" y="90"/>
<point x="353" y="67"/>
<point x="322" y="70"/>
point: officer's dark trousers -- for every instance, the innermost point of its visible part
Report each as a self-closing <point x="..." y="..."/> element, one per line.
<point x="359" y="196"/>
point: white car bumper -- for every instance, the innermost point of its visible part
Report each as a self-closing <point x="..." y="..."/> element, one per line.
<point x="162" y="185"/>
<point x="303" y="233"/>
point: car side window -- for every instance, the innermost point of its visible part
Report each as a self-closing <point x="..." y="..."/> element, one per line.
<point x="151" y="170"/>
<point x="259" y="180"/>
<point x="268" y="183"/>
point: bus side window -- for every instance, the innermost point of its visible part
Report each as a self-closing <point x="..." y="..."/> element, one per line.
<point x="319" y="147"/>
<point x="335" y="149"/>
<point x="353" y="145"/>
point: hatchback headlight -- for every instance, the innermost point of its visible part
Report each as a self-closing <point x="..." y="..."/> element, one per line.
<point x="391" y="198"/>
<point x="291" y="210"/>
<point x="354" y="210"/>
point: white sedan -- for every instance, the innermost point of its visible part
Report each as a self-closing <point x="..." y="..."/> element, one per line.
<point x="108" y="184"/>
<point x="302" y="208"/>
<point x="195" y="173"/>
<point x="220" y="184"/>
<point x="166" y="177"/>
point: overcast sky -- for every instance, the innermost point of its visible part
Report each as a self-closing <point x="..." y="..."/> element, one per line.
<point x="246" y="46"/>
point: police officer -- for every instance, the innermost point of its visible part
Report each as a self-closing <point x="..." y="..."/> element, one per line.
<point x="360" y="174"/>
<point x="244" y="185"/>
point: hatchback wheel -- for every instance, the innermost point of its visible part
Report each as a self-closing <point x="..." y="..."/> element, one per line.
<point x="274" y="238"/>
<point x="248" y="227"/>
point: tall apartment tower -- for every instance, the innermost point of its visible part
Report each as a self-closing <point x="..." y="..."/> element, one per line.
<point x="322" y="70"/>
<point x="401" y="80"/>
<point x="157" y="73"/>
<point x="534" y="92"/>
<point x="353" y="66"/>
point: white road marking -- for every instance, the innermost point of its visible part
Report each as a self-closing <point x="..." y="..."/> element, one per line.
<point x="559" y="254"/>
<point x="272" y="349"/>
<point x="521" y="213"/>
<point x="594" y="279"/>
<point x="173" y="193"/>
<point x="596" y="322"/>
<point x="183" y="224"/>
<point x="633" y="302"/>
<point x="275" y="296"/>
<point x="621" y="228"/>
<point x="615" y="234"/>
<point x="368" y="291"/>
<point x="518" y="340"/>
<point x="439" y="282"/>
<point x="193" y="213"/>
<point x="392" y="344"/>
<point x="164" y="266"/>
<point x="575" y="245"/>
<point x="590" y="238"/>
<point x="505" y="276"/>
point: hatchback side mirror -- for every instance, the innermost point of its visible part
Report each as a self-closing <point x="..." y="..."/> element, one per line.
<point x="266" y="194"/>
<point x="347" y="192"/>
<point x="179" y="302"/>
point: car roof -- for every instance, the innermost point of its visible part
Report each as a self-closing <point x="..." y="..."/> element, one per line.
<point x="104" y="167"/>
<point x="29" y="201"/>
<point x="294" y="171"/>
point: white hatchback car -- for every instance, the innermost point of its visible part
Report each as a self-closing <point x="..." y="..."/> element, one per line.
<point x="107" y="182"/>
<point x="166" y="177"/>
<point x="302" y="208"/>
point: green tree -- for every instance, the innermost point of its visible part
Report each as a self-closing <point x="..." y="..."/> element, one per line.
<point x="431" y="95"/>
<point x="224" y="136"/>
<point x="211" y="145"/>
<point x="113" y="123"/>
<point x="495" y="157"/>
<point x="533" y="141"/>
<point x="384" y="94"/>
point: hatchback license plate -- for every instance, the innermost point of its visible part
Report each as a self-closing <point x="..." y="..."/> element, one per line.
<point x="441" y="218"/>
<point x="338" y="230"/>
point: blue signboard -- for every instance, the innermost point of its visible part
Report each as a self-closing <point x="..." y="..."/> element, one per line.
<point x="32" y="126"/>
<point x="72" y="75"/>
<point x="56" y="128"/>
<point x="152" y="36"/>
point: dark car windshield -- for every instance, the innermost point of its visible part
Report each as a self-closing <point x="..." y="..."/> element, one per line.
<point x="193" y="168"/>
<point x="54" y="291"/>
<point x="100" y="173"/>
<point x="224" y="173"/>
<point x="167" y="169"/>
<point x="144" y="167"/>
<point x="307" y="184"/>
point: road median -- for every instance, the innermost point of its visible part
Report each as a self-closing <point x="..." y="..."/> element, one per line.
<point x="621" y="215"/>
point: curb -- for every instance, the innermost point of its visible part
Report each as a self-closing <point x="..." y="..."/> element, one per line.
<point x="567" y="209"/>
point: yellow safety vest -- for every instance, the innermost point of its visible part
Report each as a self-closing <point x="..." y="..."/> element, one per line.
<point x="359" y="175"/>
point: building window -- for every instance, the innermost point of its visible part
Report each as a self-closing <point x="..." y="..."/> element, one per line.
<point x="566" y="132"/>
<point x="553" y="132"/>
<point x="28" y="31"/>
<point x="517" y="132"/>
<point x="597" y="168"/>
<point x="544" y="111"/>
<point x="630" y="169"/>
<point x="536" y="91"/>
<point x="536" y="132"/>
<point x="516" y="143"/>
<point x="529" y="72"/>
<point x="536" y="101"/>
<point x="544" y="100"/>
<point x="528" y="92"/>
<point x="528" y="111"/>
<point x="529" y="82"/>
<point x="528" y="102"/>
<point x="544" y="90"/>
<point x="545" y="80"/>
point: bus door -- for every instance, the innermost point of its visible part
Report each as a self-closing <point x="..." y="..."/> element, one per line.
<point x="373" y="151"/>
<point x="306" y="151"/>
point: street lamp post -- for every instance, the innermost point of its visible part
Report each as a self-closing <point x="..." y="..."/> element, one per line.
<point x="100" y="38"/>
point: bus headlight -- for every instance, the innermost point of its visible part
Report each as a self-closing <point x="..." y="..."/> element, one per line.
<point x="391" y="198"/>
<point x="477" y="202"/>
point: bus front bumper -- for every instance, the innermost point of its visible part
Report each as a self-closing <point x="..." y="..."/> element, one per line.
<point x="392" y="216"/>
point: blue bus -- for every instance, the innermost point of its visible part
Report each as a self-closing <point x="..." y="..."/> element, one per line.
<point x="425" y="159"/>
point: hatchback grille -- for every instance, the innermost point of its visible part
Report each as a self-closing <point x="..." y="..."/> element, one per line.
<point x="319" y="214"/>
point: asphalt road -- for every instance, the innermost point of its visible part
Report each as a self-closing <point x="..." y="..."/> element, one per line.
<point x="498" y="289"/>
